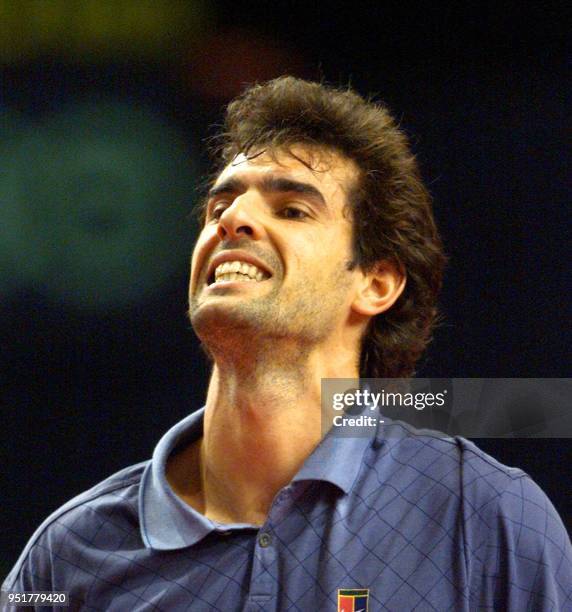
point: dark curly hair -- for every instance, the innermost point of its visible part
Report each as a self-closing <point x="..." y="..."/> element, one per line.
<point x="390" y="207"/>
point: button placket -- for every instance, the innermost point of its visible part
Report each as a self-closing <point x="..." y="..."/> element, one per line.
<point x="264" y="540"/>
<point x="263" y="584"/>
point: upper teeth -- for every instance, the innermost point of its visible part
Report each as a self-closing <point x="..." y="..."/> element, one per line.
<point x="238" y="270"/>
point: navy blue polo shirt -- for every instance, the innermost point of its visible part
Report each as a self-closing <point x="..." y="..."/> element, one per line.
<point x="402" y="520"/>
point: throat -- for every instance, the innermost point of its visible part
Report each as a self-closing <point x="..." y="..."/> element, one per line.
<point x="253" y="445"/>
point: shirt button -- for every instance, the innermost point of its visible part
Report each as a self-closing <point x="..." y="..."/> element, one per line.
<point x="264" y="540"/>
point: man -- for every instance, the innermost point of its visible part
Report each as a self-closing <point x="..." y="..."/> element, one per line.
<point x="318" y="258"/>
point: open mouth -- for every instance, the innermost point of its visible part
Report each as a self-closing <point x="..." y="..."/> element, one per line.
<point x="237" y="271"/>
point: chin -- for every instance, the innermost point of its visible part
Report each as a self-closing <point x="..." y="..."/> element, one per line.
<point x="220" y="319"/>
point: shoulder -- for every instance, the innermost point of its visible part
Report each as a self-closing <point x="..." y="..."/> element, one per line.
<point x="484" y="488"/>
<point x="518" y="550"/>
<point x="432" y="456"/>
<point x="452" y="466"/>
<point x="517" y="553"/>
<point x="445" y="482"/>
<point x="106" y="509"/>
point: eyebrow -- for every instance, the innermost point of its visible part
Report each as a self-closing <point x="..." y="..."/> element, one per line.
<point x="269" y="184"/>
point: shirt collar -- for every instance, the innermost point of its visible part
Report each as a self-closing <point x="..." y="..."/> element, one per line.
<point x="168" y="523"/>
<point x="337" y="459"/>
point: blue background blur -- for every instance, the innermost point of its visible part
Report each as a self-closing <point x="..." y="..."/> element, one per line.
<point x="104" y="107"/>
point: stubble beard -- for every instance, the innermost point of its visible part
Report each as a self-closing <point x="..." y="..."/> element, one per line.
<point x="296" y="319"/>
<point x="250" y="323"/>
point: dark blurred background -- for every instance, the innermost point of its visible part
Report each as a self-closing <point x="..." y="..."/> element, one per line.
<point x="104" y="108"/>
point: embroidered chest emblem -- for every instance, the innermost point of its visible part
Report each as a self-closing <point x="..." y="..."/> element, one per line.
<point x="353" y="600"/>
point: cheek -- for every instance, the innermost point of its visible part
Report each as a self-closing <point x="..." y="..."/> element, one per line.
<point x="327" y="252"/>
<point x="200" y="253"/>
<point x="195" y="257"/>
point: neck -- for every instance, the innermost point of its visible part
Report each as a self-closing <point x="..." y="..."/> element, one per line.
<point x="262" y="421"/>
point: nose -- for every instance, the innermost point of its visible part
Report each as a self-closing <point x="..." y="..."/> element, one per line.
<point x="239" y="220"/>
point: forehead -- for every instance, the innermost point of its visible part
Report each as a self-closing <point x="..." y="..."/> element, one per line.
<point x="329" y="171"/>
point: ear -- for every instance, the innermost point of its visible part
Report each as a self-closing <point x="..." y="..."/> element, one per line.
<point x="379" y="289"/>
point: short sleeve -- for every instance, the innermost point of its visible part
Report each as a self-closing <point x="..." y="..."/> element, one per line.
<point x="32" y="572"/>
<point x="523" y="560"/>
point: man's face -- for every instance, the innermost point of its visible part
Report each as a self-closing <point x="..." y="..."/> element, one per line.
<point x="272" y="258"/>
